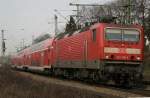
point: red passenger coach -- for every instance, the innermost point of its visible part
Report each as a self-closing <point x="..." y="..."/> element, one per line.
<point x="36" y="57"/>
<point x="41" y="55"/>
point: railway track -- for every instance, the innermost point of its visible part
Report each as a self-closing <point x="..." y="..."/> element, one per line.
<point x="104" y="90"/>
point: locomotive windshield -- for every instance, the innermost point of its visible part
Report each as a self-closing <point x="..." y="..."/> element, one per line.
<point x="122" y="34"/>
<point x="131" y="35"/>
<point x="113" y="34"/>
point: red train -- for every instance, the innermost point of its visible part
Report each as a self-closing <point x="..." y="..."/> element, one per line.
<point x="102" y="52"/>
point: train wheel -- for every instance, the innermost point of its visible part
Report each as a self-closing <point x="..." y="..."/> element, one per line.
<point x="139" y="81"/>
<point x="118" y="80"/>
<point x="104" y="78"/>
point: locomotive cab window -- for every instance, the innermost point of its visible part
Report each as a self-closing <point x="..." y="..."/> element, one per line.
<point x="131" y="35"/>
<point x="94" y="35"/>
<point x="113" y="34"/>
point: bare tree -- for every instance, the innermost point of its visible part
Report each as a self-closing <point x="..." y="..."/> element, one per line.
<point x="126" y="11"/>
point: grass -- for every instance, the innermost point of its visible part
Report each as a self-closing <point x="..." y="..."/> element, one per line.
<point x="14" y="85"/>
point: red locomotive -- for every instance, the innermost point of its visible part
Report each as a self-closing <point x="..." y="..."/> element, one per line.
<point x="102" y="52"/>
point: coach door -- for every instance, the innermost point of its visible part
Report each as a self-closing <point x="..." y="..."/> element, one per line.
<point x="49" y="56"/>
<point x="42" y="58"/>
<point x="46" y="57"/>
<point x="85" y="53"/>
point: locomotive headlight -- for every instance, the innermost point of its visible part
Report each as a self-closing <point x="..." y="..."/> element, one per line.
<point x="138" y="58"/>
<point x="107" y="57"/>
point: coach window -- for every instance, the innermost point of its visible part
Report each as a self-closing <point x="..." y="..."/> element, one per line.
<point x="94" y="35"/>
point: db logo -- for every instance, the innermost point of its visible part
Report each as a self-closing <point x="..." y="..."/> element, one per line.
<point x="122" y="50"/>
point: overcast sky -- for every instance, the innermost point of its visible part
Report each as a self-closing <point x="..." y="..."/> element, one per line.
<point x="21" y="19"/>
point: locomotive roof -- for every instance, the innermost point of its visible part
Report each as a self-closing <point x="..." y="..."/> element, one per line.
<point x="96" y="25"/>
<point x="125" y="26"/>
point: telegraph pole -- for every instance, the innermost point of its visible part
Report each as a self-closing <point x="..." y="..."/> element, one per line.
<point x="3" y="43"/>
<point x="56" y="24"/>
<point x="129" y="12"/>
<point x="32" y="39"/>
